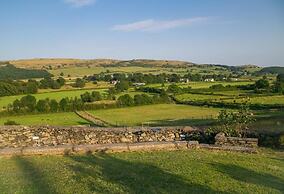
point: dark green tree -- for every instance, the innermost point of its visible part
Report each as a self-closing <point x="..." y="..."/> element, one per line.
<point x="28" y="103"/>
<point x="125" y="100"/>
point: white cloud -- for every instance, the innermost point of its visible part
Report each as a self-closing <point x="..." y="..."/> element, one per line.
<point x="156" y="25"/>
<point x="80" y="3"/>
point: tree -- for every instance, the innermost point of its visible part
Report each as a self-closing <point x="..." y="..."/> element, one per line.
<point x="79" y="83"/>
<point x="43" y="106"/>
<point x="122" y="86"/>
<point x="111" y="94"/>
<point x="173" y="88"/>
<point x="61" y="81"/>
<point x="54" y="105"/>
<point x="233" y="123"/>
<point x="87" y="97"/>
<point x="63" y="104"/>
<point x="97" y="96"/>
<point x="262" y="84"/>
<point x="142" y="99"/>
<point x="17" y="105"/>
<point x="32" y="87"/>
<point x="28" y="102"/>
<point x="279" y="84"/>
<point x="125" y="100"/>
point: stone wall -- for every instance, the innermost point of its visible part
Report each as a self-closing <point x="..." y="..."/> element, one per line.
<point x="23" y="136"/>
<point x="222" y="140"/>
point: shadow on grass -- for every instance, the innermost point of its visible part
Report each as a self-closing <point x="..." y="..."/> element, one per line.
<point x="249" y="176"/>
<point x="131" y="177"/>
<point x="34" y="177"/>
<point x="182" y="122"/>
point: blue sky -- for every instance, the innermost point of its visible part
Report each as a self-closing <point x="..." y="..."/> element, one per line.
<point x="232" y="32"/>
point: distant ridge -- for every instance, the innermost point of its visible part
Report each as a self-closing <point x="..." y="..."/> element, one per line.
<point x="46" y="63"/>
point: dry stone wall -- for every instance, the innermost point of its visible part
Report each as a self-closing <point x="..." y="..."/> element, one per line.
<point x="23" y="136"/>
<point x="222" y="140"/>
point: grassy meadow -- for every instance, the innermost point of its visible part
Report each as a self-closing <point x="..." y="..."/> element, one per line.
<point x="55" y="119"/>
<point x="190" y="171"/>
<point x="157" y="115"/>
<point x="279" y="99"/>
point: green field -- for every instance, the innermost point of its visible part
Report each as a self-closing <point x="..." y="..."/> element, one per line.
<point x="191" y="171"/>
<point x="200" y="97"/>
<point x="199" y="85"/>
<point x="260" y="100"/>
<point x="55" y="119"/>
<point x="157" y="115"/>
<point x="57" y="95"/>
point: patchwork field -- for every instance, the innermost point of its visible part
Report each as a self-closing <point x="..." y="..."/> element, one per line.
<point x="158" y="115"/>
<point x="162" y="115"/>
<point x="191" y="171"/>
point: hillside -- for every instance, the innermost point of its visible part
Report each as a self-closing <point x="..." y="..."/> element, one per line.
<point x="272" y="70"/>
<point x="11" y="72"/>
<point x="54" y="63"/>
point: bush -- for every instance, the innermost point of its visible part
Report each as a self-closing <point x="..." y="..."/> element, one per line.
<point x="11" y="123"/>
<point x="125" y="100"/>
<point x="79" y="83"/>
<point x="233" y="123"/>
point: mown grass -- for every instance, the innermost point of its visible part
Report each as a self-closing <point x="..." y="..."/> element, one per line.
<point x="55" y="119"/>
<point x="191" y="171"/>
<point x="158" y="115"/>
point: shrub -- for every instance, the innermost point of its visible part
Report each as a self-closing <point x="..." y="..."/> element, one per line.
<point x="11" y="123"/>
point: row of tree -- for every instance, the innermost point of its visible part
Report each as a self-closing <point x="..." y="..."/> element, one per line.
<point x="264" y="85"/>
<point x="10" y="87"/>
<point x="142" y="99"/>
<point x="151" y="78"/>
<point x="29" y="104"/>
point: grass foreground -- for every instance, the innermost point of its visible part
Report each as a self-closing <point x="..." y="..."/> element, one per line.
<point x="191" y="171"/>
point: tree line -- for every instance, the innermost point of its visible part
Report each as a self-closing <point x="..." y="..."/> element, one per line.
<point x="158" y="78"/>
<point x="10" y="87"/>
<point x="29" y="104"/>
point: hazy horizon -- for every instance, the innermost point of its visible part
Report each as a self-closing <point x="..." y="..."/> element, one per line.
<point x="203" y="32"/>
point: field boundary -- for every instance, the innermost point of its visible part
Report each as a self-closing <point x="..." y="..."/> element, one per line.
<point x="93" y="119"/>
<point x="119" y="147"/>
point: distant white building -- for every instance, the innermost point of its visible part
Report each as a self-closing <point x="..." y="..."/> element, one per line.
<point x="139" y="84"/>
<point x="209" y="80"/>
<point x="114" y="82"/>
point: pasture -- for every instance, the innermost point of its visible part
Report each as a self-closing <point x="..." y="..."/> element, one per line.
<point x="200" y="97"/>
<point x="55" y="119"/>
<point x="158" y="115"/>
<point x="190" y="171"/>
<point x="278" y="99"/>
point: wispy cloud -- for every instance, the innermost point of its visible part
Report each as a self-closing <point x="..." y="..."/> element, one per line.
<point x="157" y="25"/>
<point x="80" y="3"/>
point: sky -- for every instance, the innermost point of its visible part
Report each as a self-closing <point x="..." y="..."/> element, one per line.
<point x="229" y="32"/>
